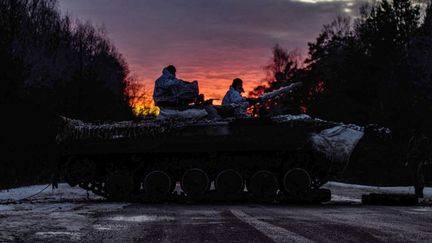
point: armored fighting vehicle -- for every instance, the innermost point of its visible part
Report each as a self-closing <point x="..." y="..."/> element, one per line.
<point x="171" y="158"/>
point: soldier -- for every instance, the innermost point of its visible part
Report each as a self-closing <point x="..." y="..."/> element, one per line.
<point x="419" y="153"/>
<point x="234" y="98"/>
<point x="170" y="91"/>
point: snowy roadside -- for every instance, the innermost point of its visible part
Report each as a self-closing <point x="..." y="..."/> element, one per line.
<point x="394" y="189"/>
<point x="59" y="215"/>
<point x="63" y="193"/>
<point x="351" y="193"/>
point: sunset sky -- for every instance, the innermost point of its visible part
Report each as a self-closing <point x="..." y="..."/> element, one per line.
<point x="209" y="41"/>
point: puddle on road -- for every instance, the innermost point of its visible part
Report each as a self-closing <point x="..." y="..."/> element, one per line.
<point x="142" y="218"/>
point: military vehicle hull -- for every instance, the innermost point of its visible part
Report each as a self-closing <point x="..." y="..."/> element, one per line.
<point x="264" y="160"/>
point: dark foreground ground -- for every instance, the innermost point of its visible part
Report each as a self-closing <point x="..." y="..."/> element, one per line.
<point x="66" y="215"/>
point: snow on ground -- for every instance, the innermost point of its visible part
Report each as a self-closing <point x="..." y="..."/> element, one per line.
<point x="60" y="214"/>
<point x="64" y="192"/>
<point x="351" y="193"/>
<point x="6" y="207"/>
<point x="394" y="189"/>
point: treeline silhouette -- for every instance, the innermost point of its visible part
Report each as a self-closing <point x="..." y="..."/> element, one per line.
<point x="374" y="70"/>
<point x="51" y="65"/>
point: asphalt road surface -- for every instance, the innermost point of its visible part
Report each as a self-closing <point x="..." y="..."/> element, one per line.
<point x="67" y="215"/>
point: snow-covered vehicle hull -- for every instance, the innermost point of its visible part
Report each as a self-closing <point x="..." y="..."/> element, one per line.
<point x="273" y="158"/>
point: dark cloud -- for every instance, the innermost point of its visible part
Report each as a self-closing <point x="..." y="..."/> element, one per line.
<point x="208" y="40"/>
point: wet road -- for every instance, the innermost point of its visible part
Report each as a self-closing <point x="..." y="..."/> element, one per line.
<point x="265" y="224"/>
<point x="69" y="217"/>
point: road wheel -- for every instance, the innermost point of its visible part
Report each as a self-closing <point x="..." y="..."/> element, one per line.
<point x="157" y="183"/>
<point x="229" y="182"/>
<point x="120" y="185"/>
<point x="195" y="182"/>
<point x="263" y="186"/>
<point x="296" y="181"/>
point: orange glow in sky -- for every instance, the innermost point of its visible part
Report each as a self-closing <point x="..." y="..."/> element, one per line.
<point x="214" y="83"/>
<point x="214" y="67"/>
<point x="212" y="42"/>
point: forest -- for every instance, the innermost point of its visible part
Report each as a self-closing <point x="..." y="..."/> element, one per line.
<point x="375" y="69"/>
<point x="51" y="65"/>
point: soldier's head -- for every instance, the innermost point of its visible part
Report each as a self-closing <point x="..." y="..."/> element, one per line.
<point x="279" y="76"/>
<point x="171" y="69"/>
<point x="237" y="84"/>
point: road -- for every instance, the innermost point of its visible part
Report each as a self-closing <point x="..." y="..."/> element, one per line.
<point x="68" y="215"/>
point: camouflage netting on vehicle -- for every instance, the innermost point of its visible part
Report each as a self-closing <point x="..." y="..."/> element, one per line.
<point x="317" y="121"/>
<point x="336" y="140"/>
<point x="73" y="129"/>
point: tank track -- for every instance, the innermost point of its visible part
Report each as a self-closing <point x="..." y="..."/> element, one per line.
<point x="295" y="178"/>
<point x="312" y="196"/>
